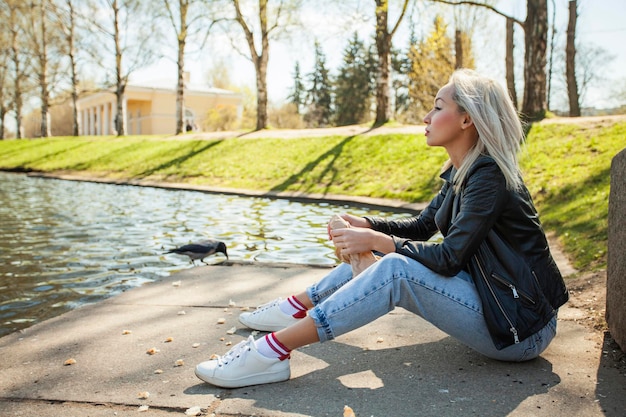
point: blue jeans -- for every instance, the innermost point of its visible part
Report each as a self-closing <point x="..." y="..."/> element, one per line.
<point x="342" y="304"/>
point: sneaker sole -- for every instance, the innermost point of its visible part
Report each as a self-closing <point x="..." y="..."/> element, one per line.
<point x="262" y="328"/>
<point x="258" y="379"/>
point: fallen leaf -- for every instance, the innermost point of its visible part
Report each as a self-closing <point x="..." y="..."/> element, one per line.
<point x="193" y="411"/>
<point x="348" y="412"/>
<point x="70" y="361"/>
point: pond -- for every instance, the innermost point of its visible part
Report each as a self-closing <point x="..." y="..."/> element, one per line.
<point x="67" y="243"/>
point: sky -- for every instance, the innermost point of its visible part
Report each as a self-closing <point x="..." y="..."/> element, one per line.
<point x="601" y="23"/>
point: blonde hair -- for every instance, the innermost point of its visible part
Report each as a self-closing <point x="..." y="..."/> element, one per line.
<point x="500" y="132"/>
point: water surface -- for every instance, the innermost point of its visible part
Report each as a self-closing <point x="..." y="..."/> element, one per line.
<point x="67" y="243"/>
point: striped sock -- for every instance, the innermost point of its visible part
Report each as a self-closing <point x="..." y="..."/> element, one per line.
<point x="270" y="347"/>
<point x="293" y="307"/>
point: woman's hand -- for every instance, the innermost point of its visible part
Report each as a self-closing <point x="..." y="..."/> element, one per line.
<point x="354" y="221"/>
<point x="353" y="240"/>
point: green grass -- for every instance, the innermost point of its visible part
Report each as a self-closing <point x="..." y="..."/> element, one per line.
<point x="566" y="168"/>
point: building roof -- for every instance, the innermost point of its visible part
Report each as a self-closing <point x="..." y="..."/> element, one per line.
<point x="164" y="85"/>
<point x="168" y="84"/>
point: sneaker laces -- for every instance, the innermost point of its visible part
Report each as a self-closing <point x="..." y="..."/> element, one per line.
<point x="267" y="306"/>
<point x="239" y="350"/>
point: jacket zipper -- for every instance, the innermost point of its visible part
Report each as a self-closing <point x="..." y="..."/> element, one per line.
<point x="536" y="279"/>
<point x="514" y="290"/>
<point x="512" y="329"/>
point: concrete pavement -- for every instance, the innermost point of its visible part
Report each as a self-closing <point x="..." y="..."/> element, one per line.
<point x="397" y="366"/>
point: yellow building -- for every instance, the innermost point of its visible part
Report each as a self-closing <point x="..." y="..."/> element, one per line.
<point x="150" y="108"/>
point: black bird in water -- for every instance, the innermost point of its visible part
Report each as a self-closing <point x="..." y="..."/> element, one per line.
<point x="201" y="250"/>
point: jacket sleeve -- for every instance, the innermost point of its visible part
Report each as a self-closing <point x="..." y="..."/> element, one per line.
<point x="480" y="204"/>
<point x="420" y="227"/>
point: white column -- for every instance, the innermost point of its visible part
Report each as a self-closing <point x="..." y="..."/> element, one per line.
<point x="89" y="121"/>
<point x="125" y="113"/>
<point x="92" y="121"/>
<point x="96" y="120"/>
<point x="83" y="127"/>
<point x="107" y="119"/>
<point x="101" y="120"/>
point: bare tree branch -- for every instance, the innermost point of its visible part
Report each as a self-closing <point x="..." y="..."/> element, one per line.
<point x="479" y="4"/>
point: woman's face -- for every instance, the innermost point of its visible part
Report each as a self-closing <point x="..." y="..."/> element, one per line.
<point x="444" y="122"/>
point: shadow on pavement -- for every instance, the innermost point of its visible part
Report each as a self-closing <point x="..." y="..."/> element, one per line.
<point x="438" y="378"/>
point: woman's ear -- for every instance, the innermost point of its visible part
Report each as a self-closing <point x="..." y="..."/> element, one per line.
<point x="467" y="121"/>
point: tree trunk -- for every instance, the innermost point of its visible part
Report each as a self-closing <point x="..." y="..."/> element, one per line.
<point x="180" y="85"/>
<point x="2" y="114"/>
<point x="120" y="120"/>
<point x="551" y="59"/>
<point x="15" y="57"/>
<point x="535" y="40"/>
<point x="261" y="68"/>
<point x="570" y="62"/>
<point x="259" y="59"/>
<point x="43" y="76"/>
<point x="383" y="47"/>
<point x="74" y="73"/>
<point x="261" y="85"/>
<point x="510" y="61"/>
<point x="458" y="49"/>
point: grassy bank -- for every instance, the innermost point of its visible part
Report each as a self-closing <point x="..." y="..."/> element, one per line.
<point x="566" y="167"/>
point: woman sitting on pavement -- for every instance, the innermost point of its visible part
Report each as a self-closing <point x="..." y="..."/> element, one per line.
<point x="475" y="121"/>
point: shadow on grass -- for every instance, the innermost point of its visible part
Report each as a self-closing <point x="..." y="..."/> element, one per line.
<point x="177" y="161"/>
<point x="31" y="164"/>
<point x="569" y="207"/>
<point x="332" y="154"/>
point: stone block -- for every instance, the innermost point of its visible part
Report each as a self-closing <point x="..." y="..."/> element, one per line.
<point x="616" y="273"/>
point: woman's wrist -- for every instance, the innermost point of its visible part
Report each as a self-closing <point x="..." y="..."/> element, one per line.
<point x="385" y="244"/>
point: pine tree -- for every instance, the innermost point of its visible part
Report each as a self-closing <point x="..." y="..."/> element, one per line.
<point x="319" y="95"/>
<point x="353" y="87"/>
<point x="298" y="94"/>
<point x="400" y="66"/>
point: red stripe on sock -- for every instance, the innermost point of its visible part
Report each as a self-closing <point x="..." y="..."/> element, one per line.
<point x="295" y="303"/>
<point x="276" y="346"/>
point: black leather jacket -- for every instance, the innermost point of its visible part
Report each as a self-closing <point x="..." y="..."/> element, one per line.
<point x="485" y="203"/>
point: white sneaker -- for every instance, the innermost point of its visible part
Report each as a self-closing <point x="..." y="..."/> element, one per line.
<point x="243" y="365"/>
<point x="268" y="318"/>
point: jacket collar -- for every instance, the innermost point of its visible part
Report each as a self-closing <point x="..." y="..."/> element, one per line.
<point x="448" y="174"/>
